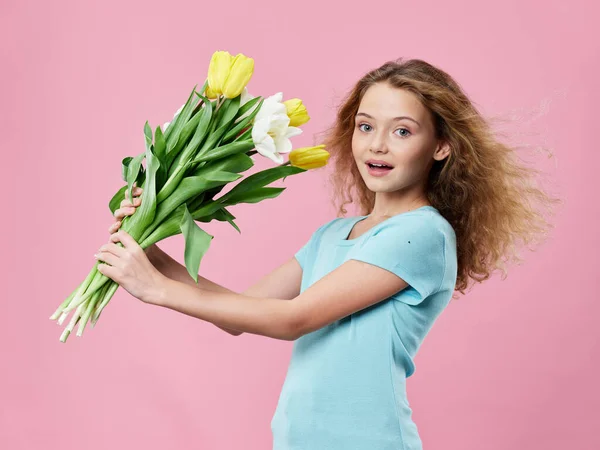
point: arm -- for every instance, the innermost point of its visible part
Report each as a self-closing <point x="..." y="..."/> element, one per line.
<point x="353" y="286"/>
<point x="175" y="271"/>
<point x="283" y="282"/>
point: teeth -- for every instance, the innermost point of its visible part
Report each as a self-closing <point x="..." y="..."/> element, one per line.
<point x="377" y="165"/>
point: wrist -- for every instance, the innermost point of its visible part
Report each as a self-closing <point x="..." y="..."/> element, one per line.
<point x="159" y="295"/>
<point x="153" y="254"/>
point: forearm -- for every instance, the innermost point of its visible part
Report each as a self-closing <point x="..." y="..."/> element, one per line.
<point x="175" y="271"/>
<point x="263" y="316"/>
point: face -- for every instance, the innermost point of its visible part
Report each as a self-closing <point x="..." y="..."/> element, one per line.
<point x="392" y="126"/>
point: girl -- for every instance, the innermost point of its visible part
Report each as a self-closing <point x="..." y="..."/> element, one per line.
<point x="444" y="202"/>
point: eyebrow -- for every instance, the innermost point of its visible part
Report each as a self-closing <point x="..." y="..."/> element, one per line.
<point x="395" y="118"/>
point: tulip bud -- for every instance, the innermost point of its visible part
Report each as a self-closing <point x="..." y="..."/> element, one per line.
<point x="218" y="70"/>
<point x="296" y="111"/>
<point x="240" y="73"/>
<point x="210" y="94"/>
<point x="309" y="157"/>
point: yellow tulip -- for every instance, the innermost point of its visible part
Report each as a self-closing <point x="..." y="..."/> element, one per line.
<point x="210" y="93"/>
<point x="218" y="71"/>
<point x="309" y="157"/>
<point x="240" y="73"/>
<point x="296" y="111"/>
<point x="228" y="75"/>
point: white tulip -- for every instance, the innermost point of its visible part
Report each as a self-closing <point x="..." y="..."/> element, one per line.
<point x="245" y="98"/>
<point x="271" y="132"/>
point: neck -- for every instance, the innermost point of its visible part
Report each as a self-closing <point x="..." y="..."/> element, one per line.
<point x="388" y="204"/>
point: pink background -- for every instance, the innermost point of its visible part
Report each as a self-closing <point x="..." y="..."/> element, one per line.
<point x="513" y="364"/>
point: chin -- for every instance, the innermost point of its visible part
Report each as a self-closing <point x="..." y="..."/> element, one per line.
<point x="377" y="187"/>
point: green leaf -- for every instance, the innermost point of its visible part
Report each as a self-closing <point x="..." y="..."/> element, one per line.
<point x="234" y="163"/>
<point x="207" y="209"/>
<point x="189" y="188"/>
<point x="224" y="215"/>
<point x="133" y="170"/>
<point x="203" y="124"/>
<point x="115" y="202"/>
<point x="202" y="97"/>
<point x="201" y="93"/>
<point x="139" y="181"/>
<point x="245" y="135"/>
<point x="261" y="179"/>
<point x="210" y="194"/>
<point x="248" y="106"/>
<point x="196" y="202"/>
<point x="213" y="139"/>
<point x="253" y="196"/>
<point x="144" y="215"/>
<point x="124" y="166"/>
<point x="178" y="170"/>
<point x="159" y="150"/>
<point x="174" y="129"/>
<point x="246" y="121"/>
<point x="148" y="135"/>
<point x="225" y="150"/>
<point x="201" y="131"/>
<point x="160" y="145"/>
<point x="197" y="242"/>
<point x="228" y="110"/>
<point x="173" y="154"/>
<point x="170" y="226"/>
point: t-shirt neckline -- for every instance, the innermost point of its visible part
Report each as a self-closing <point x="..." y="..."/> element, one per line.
<point x="350" y="226"/>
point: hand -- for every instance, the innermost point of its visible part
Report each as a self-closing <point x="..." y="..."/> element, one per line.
<point x="127" y="208"/>
<point x="130" y="267"/>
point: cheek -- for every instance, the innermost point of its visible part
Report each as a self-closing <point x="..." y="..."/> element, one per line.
<point x="356" y="145"/>
<point x="414" y="153"/>
<point x="354" y="138"/>
<point x="410" y="162"/>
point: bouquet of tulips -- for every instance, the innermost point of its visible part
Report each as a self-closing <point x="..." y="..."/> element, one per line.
<point x="207" y="145"/>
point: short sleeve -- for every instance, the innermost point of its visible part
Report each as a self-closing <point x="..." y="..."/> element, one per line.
<point x="303" y="253"/>
<point x="412" y="247"/>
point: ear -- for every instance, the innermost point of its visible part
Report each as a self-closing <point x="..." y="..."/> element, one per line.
<point x="442" y="151"/>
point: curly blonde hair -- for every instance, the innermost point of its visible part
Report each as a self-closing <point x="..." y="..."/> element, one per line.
<point x="482" y="189"/>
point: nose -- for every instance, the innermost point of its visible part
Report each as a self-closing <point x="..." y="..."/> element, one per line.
<point x="378" y="144"/>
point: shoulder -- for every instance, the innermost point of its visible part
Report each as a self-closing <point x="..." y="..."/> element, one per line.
<point x="332" y="226"/>
<point x="427" y="223"/>
<point x="417" y="237"/>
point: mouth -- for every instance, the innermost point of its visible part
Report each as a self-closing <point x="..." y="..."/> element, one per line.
<point x="378" y="170"/>
<point x="378" y="166"/>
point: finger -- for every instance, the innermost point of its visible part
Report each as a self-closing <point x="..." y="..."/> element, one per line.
<point x="106" y="257"/>
<point x="124" y="238"/>
<point x="113" y="248"/>
<point x="122" y="212"/>
<point x="119" y="214"/>
<point x="134" y="191"/>
<point x="136" y="202"/>
<point x="108" y="271"/>
<point x="114" y="227"/>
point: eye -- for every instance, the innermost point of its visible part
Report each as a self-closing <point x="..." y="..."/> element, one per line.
<point x="361" y="125"/>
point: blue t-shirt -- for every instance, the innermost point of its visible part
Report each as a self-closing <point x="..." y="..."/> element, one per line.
<point x="345" y="387"/>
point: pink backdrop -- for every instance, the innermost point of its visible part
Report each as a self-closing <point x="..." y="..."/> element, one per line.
<point x="512" y="365"/>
